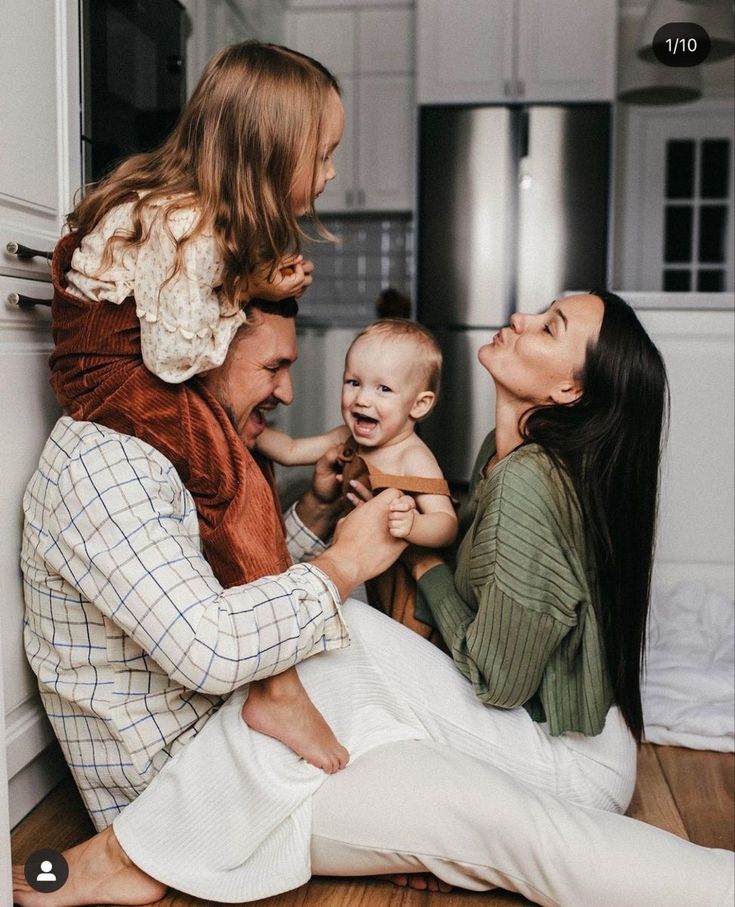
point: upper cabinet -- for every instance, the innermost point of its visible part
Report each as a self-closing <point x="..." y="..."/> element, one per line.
<point x="489" y="51"/>
<point x="370" y="50"/>
<point x="40" y="151"/>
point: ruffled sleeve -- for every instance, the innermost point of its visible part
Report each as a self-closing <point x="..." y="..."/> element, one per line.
<point x="186" y="327"/>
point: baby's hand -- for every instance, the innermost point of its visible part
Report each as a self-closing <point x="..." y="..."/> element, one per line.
<point x="401" y="515"/>
<point x="291" y="278"/>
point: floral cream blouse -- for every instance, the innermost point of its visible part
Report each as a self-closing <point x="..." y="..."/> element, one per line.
<point x="186" y="326"/>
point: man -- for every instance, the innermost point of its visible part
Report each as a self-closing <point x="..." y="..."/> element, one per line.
<point x="143" y="661"/>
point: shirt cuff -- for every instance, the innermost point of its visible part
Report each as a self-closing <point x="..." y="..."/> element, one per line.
<point x="302" y="544"/>
<point x="320" y="586"/>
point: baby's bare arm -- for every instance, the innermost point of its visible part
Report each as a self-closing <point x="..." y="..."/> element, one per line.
<point x="288" y="451"/>
<point x="430" y="521"/>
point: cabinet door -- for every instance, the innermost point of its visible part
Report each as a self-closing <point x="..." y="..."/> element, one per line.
<point x="566" y="53"/>
<point x="40" y="149"/>
<point x="464" y="50"/>
<point x="386" y="138"/>
<point x="385" y="40"/>
<point x="329" y="37"/>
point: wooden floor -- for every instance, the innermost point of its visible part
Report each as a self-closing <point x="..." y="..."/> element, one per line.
<point x="687" y="792"/>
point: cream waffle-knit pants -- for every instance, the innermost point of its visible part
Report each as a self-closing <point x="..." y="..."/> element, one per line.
<point x="437" y="782"/>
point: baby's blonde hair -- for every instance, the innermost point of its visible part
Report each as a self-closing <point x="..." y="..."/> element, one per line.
<point x="405" y="329"/>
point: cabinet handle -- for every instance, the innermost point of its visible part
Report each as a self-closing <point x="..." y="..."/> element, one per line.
<point x="361" y="197"/>
<point x="15" y="248"/>
<point x="349" y="196"/>
<point x="19" y="301"/>
<point x="521" y="88"/>
<point x="508" y="88"/>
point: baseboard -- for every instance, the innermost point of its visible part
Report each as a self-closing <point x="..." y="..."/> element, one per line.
<point x="31" y="784"/>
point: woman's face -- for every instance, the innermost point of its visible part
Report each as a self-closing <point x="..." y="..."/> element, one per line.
<point x="538" y="359"/>
<point x="305" y="187"/>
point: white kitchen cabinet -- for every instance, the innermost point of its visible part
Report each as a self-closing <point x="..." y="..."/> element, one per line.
<point x="370" y="50"/>
<point x="40" y="169"/>
<point x="40" y="165"/>
<point x="218" y="23"/>
<point x="489" y="51"/>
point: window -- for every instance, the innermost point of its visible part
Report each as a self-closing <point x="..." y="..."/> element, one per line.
<point x="697" y="190"/>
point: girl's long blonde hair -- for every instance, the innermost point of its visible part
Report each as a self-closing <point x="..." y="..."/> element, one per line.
<point x="255" y="115"/>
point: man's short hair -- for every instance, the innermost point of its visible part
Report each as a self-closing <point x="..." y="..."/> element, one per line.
<point x="287" y="308"/>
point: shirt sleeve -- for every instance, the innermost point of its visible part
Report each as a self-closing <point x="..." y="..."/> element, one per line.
<point x="522" y="596"/>
<point x="126" y="537"/>
<point x="302" y="544"/>
<point x="186" y="326"/>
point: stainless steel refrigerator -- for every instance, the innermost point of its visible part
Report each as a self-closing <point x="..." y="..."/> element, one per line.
<point x="512" y="212"/>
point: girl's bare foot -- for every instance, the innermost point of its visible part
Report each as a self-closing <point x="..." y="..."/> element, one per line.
<point x="281" y="708"/>
<point x="100" y="872"/>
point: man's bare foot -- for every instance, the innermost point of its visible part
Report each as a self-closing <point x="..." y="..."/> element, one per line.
<point x="281" y="708"/>
<point x="100" y="872"/>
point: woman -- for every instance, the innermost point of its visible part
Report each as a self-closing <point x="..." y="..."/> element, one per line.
<point x="547" y="606"/>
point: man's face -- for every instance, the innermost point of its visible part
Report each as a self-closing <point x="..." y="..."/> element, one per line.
<point x="255" y="376"/>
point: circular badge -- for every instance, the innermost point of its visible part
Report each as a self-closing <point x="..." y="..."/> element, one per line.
<point x="46" y="870"/>
<point x="681" y="44"/>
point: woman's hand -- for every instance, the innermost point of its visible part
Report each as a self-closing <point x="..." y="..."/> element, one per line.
<point x="290" y="279"/>
<point x="420" y="560"/>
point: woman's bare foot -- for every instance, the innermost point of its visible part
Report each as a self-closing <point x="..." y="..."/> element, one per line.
<point x="420" y="881"/>
<point x="281" y="708"/>
<point x="100" y="872"/>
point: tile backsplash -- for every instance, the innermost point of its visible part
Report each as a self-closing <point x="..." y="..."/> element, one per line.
<point x="373" y="252"/>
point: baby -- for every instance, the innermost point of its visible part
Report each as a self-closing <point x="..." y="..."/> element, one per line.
<point x="391" y="381"/>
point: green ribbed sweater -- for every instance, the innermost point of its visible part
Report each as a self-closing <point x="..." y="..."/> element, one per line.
<point x="518" y="614"/>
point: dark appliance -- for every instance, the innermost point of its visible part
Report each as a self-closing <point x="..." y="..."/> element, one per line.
<point x="133" y="78"/>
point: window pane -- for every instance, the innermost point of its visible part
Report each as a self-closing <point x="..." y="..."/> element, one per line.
<point x="677" y="281"/>
<point x="715" y="168"/>
<point x="711" y="281"/>
<point x="679" y="169"/>
<point x="678" y="233"/>
<point x="712" y="232"/>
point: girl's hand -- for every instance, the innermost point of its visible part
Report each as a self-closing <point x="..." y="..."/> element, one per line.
<point x="401" y="516"/>
<point x="291" y="278"/>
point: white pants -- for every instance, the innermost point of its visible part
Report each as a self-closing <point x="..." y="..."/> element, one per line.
<point x="438" y="782"/>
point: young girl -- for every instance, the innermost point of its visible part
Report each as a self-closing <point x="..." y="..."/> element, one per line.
<point x="391" y="381"/>
<point x="164" y="255"/>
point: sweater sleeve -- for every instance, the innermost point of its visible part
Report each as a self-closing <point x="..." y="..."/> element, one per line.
<point x="518" y="596"/>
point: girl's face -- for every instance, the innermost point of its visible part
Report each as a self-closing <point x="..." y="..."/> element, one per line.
<point x="538" y="359"/>
<point x="303" y="190"/>
<point x="383" y="391"/>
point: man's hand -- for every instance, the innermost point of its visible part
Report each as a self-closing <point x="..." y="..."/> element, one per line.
<point x="362" y="546"/>
<point x="321" y="506"/>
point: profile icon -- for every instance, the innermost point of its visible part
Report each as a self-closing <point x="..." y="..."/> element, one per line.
<point x="46" y="875"/>
<point x="46" y="870"/>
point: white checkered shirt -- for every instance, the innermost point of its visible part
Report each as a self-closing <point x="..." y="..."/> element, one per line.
<point x="134" y="642"/>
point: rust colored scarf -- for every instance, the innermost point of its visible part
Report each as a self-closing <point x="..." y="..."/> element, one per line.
<point x="98" y="375"/>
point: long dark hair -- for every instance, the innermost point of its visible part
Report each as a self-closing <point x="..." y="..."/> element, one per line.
<point x="609" y="443"/>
